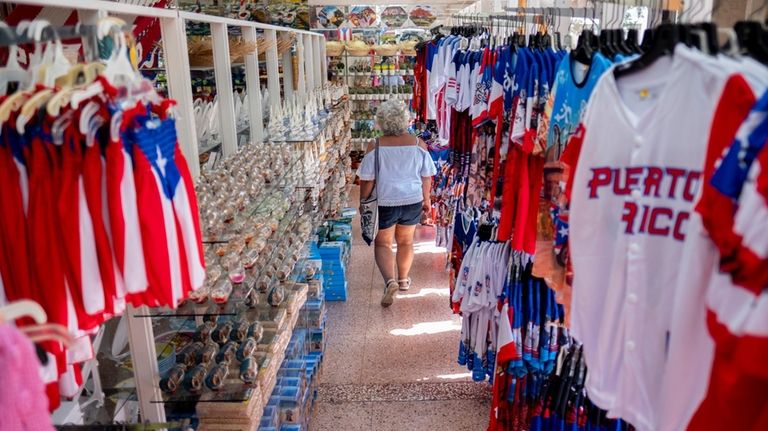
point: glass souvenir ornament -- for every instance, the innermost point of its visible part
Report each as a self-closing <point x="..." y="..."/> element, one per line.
<point x="173" y="380"/>
<point x="216" y="377"/>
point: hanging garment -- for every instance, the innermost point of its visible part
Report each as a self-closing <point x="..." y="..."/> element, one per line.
<point x="23" y="402"/>
<point x="630" y="211"/>
<point x="164" y="186"/>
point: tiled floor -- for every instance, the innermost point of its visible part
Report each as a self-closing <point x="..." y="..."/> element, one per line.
<point x="395" y="368"/>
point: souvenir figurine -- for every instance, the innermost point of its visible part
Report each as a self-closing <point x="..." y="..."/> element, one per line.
<point x="203" y="333"/>
<point x="188" y="355"/>
<point x="216" y="377"/>
<point x="171" y="382"/>
<point x="246" y="349"/>
<point x="193" y="380"/>
<point x="208" y="353"/>
<point x="240" y="331"/>
<point x="249" y="371"/>
<point x="221" y="334"/>
<point x="256" y="331"/>
<point x="227" y="352"/>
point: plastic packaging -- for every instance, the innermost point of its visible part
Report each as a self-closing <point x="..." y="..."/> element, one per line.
<point x="193" y="380"/>
<point x="249" y="370"/>
<point x="221" y="333"/>
<point x="227" y="353"/>
<point x="246" y="350"/>
<point x="171" y="382"/>
<point x="216" y="377"/>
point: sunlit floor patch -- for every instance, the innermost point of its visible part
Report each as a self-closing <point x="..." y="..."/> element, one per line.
<point x="424" y="292"/>
<point x="428" y="328"/>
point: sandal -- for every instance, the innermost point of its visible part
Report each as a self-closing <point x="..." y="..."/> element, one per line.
<point x="407" y="282"/>
<point x="389" y="293"/>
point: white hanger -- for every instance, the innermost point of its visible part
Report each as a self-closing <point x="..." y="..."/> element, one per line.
<point x="12" y="72"/>
<point x="59" y="65"/>
<point x="23" y="308"/>
<point x="118" y="65"/>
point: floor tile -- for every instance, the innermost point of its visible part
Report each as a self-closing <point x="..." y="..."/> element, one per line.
<point x="395" y="368"/>
<point x="412" y="314"/>
<point x="413" y="358"/>
<point x="420" y="391"/>
<point x="345" y="318"/>
<point x="341" y="417"/>
<point x="462" y="415"/>
<point x="343" y="358"/>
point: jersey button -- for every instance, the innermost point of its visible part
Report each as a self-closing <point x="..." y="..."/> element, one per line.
<point x="637" y="140"/>
<point x="636" y="194"/>
<point x="630" y="345"/>
<point x="634" y="247"/>
<point x="632" y="298"/>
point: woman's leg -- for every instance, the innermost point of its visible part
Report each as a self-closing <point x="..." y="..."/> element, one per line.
<point x="404" y="238"/>
<point x="385" y="259"/>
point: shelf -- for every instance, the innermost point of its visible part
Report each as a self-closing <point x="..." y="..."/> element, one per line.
<point x="363" y="97"/>
<point x="389" y="73"/>
<point x="322" y="123"/>
<point x="234" y="390"/>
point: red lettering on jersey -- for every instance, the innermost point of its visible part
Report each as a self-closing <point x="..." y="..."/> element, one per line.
<point x="675" y="173"/>
<point x="644" y="220"/>
<point x="617" y="187"/>
<point x="678" y="233"/>
<point x="628" y="216"/>
<point x="653" y="181"/>
<point x="691" y="185"/>
<point x="633" y="177"/>
<point x="600" y="177"/>
<point x="653" y="228"/>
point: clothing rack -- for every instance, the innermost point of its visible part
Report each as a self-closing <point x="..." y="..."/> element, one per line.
<point x="312" y="64"/>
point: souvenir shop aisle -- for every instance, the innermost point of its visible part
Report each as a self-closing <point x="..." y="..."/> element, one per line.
<point x="385" y="368"/>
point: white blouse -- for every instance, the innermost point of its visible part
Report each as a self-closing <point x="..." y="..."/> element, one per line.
<point x="400" y="171"/>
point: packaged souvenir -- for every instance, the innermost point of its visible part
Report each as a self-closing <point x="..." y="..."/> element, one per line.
<point x="193" y="380"/>
<point x="171" y="382"/>
<point x="227" y="353"/>
<point x="216" y="377"/>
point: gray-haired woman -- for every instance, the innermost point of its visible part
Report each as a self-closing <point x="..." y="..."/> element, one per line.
<point x="403" y="188"/>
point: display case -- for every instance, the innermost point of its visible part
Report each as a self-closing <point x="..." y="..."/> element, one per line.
<point x="137" y="374"/>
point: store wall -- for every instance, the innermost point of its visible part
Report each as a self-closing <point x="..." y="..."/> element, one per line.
<point x="730" y="11"/>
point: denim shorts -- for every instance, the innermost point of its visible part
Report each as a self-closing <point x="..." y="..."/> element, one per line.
<point x="406" y="215"/>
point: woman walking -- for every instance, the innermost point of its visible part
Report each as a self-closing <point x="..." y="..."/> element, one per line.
<point x="403" y="187"/>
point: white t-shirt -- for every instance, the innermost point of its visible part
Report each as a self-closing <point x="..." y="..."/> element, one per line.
<point x="400" y="171"/>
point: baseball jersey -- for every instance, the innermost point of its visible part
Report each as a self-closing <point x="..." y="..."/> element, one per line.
<point x="638" y="177"/>
<point x="691" y="347"/>
<point x="569" y="97"/>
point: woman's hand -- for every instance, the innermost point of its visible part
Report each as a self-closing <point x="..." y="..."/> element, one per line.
<point x="426" y="206"/>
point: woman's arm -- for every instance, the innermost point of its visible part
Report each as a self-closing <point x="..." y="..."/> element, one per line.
<point x="366" y="188"/>
<point x="426" y="191"/>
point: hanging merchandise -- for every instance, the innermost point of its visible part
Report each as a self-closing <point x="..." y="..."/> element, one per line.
<point x="533" y="133"/>
<point x="96" y="191"/>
